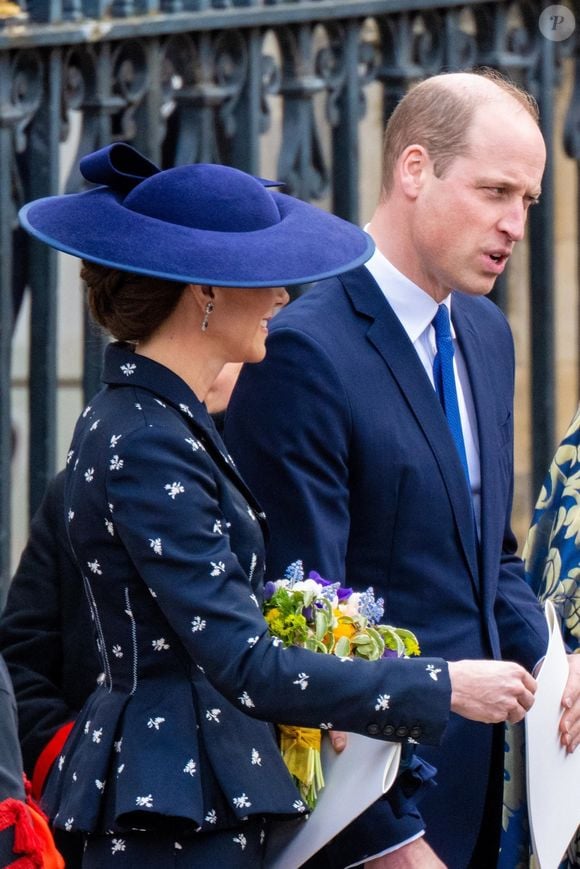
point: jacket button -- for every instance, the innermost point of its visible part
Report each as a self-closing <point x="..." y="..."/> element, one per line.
<point x="373" y="729"/>
<point x="389" y="730"/>
<point x="415" y="732"/>
<point x="402" y="731"/>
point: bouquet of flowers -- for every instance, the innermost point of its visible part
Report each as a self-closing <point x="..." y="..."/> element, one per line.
<point x="322" y="616"/>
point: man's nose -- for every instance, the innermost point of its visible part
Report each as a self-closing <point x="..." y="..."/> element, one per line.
<point x="513" y="222"/>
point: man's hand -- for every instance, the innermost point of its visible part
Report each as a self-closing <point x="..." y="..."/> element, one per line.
<point x="570" y="720"/>
<point x="415" y="855"/>
<point x="493" y="691"/>
<point x="338" y="739"/>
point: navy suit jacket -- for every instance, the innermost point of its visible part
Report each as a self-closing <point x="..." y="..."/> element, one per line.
<point x="342" y="438"/>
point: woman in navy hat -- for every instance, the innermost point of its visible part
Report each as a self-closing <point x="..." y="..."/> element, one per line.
<point x="172" y="761"/>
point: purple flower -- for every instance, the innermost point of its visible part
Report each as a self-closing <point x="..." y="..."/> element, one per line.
<point x="390" y="653"/>
<point x="269" y="590"/>
<point x="342" y="593"/>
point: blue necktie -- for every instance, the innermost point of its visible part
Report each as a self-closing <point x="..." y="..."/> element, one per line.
<point x="445" y="380"/>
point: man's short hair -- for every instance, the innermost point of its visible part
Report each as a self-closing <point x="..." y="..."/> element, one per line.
<point x="438" y="117"/>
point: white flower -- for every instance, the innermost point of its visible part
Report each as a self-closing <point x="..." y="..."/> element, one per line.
<point x="97" y="734"/>
<point x="100" y="784"/>
<point x="117" y="651"/>
<point x="211" y="817"/>
<point x="160" y="645"/>
<point x="71" y="515"/>
<point x="87" y="726"/>
<point x="128" y="368"/>
<point x="156" y="546"/>
<point x="299" y="806"/>
<point x="138" y="405"/>
<point x="116" y="463"/>
<point x="197" y="624"/>
<point x="69" y="456"/>
<point x="382" y="701"/>
<point x="120" y="768"/>
<point x="95" y="567"/>
<point x="241" y="802"/>
<point x="87" y="410"/>
<point x="186" y="409"/>
<point x="217" y="568"/>
<point x="194" y="444"/>
<point x="117" y="845"/>
<point x="145" y="801"/>
<point x="217" y="527"/>
<point x="111" y="508"/>
<point x="161" y="403"/>
<point x="251" y="513"/>
<point x="213" y="715"/>
<point x="114" y="441"/>
<point x="302" y="680"/>
<point x="245" y="700"/>
<point x="155" y="723"/>
<point x="190" y="767"/>
<point x="412" y="741"/>
<point x="262" y="836"/>
<point x="240" y="840"/>
<point x="151" y="592"/>
<point x="74" y="776"/>
<point x="118" y="745"/>
<point x="432" y="670"/>
<point x="255" y="599"/>
<point x="109" y="526"/>
<point x="174" y="489"/>
<point x="252" y="641"/>
<point x="89" y="475"/>
<point x="95" y="425"/>
<point x="61" y="762"/>
<point x="256" y="759"/>
<point x="276" y="641"/>
<point x="326" y="726"/>
<point x="68" y="824"/>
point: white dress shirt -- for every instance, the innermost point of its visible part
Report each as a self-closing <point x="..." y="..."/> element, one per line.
<point x="415" y="310"/>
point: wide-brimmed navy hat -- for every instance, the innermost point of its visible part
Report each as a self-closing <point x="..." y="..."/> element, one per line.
<point x="201" y="224"/>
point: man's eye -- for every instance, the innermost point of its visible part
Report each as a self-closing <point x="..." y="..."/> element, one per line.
<point x="496" y="191"/>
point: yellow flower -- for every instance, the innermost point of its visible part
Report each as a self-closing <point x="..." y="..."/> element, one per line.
<point x="344" y="629"/>
<point x="272" y="614"/>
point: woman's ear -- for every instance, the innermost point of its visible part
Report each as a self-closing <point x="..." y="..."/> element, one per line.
<point x="202" y="293"/>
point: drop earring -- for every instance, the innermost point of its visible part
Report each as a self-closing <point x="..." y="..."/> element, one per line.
<point x="208" y="309"/>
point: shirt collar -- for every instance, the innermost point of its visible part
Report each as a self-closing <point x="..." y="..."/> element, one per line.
<point x="413" y="307"/>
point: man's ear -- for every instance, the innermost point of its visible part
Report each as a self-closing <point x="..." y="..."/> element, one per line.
<point x="412" y="166"/>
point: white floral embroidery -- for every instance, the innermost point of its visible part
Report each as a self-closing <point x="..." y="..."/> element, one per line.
<point x="114" y="441"/>
<point x="95" y="567"/>
<point x="251" y="513"/>
<point x="328" y="725"/>
<point x="255" y="599"/>
<point x="197" y="624"/>
<point x="412" y="741"/>
<point x="74" y="776"/>
<point x="276" y="641"/>
<point x="299" y="806"/>
<point x="110" y="527"/>
<point x="61" y="761"/>
<point x="117" y="845"/>
<point x="68" y="824"/>
<point x="246" y="700"/>
<point x="145" y="801"/>
<point x="71" y="515"/>
<point x="97" y="734"/>
<point x="76" y="464"/>
<point x="156" y="545"/>
<point x="120" y="769"/>
<point x="100" y="784"/>
<point x="95" y="425"/>
<point x="87" y="410"/>
<point x="186" y="410"/>
<point x="116" y="463"/>
<point x="217" y="527"/>
<point x="151" y="592"/>
<point x="252" y="641"/>
<point x="162" y="403"/>
<point x="138" y="405"/>
<point x="240" y="840"/>
<point x="432" y="670"/>
<point x="241" y="802"/>
<point x="111" y="508"/>
<point x="69" y="456"/>
<point x="174" y="489"/>
<point x="87" y="726"/>
<point x="262" y="836"/>
<point x="217" y="568"/>
<point x="302" y="680"/>
<point x="211" y="817"/>
<point x="180" y="847"/>
<point x="160" y="645"/>
<point x="118" y="745"/>
<point x="213" y="715"/>
<point x="117" y="651"/>
<point x="194" y="444"/>
<point x="128" y="368"/>
<point x="256" y="759"/>
<point x="190" y="767"/>
<point x="155" y="723"/>
<point x="89" y="475"/>
<point x="382" y="701"/>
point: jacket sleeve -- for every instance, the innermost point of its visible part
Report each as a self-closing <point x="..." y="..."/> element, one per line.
<point x="46" y="615"/>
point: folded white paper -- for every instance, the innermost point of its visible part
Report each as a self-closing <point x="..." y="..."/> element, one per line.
<point x="553" y="775"/>
<point x="355" y="778"/>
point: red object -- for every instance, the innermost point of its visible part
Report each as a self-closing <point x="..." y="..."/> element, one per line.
<point x="47" y="757"/>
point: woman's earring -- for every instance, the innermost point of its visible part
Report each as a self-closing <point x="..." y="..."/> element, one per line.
<point x="208" y="310"/>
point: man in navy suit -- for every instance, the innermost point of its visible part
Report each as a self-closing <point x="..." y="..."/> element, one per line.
<point x="342" y="436"/>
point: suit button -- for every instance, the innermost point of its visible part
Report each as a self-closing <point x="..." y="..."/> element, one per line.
<point x="389" y="730"/>
<point x="402" y="731"/>
<point x="415" y="732"/>
<point x="373" y="729"/>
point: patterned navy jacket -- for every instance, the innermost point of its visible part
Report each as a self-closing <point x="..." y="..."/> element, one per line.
<point x="170" y="544"/>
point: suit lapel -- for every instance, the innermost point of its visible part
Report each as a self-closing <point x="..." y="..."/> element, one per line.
<point x="390" y="340"/>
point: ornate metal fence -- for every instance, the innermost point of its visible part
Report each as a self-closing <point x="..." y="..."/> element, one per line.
<point x="198" y="80"/>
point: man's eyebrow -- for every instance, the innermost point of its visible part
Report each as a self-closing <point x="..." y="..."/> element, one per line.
<point x="488" y="181"/>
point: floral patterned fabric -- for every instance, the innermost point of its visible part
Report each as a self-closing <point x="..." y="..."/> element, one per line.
<point x="552" y="560"/>
<point x="170" y="544"/>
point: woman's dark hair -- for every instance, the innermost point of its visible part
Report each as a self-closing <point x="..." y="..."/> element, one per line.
<point x="128" y="306"/>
